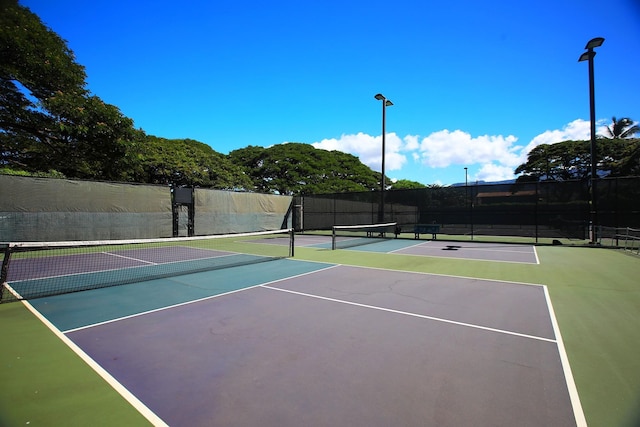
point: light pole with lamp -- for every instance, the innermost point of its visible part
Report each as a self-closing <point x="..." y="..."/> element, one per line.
<point x="385" y="103"/>
<point x="588" y="56"/>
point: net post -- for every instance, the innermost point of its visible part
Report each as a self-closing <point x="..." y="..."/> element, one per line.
<point x="4" y="271"/>
<point x="333" y="238"/>
<point x="292" y="245"/>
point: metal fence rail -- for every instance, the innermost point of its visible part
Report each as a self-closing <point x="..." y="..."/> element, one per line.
<point x="626" y="238"/>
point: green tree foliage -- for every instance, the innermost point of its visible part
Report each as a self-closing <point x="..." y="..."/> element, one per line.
<point x="572" y="160"/>
<point x="297" y="168"/>
<point x="562" y="161"/>
<point x="405" y="184"/>
<point x="623" y="128"/>
<point x="628" y="163"/>
<point x="51" y="124"/>
<point x="182" y="162"/>
<point x="48" y="120"/>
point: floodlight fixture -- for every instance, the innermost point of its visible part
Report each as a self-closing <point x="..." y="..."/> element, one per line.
<point x="586" y="56"/>
<point x="597" y="42"/>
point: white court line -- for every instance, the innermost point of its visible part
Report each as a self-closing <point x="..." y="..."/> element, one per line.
<point x="535" y="252"/>
<point x="129" y="258"/>
<point x="406" y="313"/>
<point x="566" y="367"/>
<point x="508" y="282"/>
<point x="227" y="253"/>
<point x="117" y="386"/>
<point x="456" y="258"/>
<point x="491" y="248"/>
<point x="406" y="247"/>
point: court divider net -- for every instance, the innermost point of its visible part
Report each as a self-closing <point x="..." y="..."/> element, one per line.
<point x="38" y="269"/>
<point x="347" y="236"/>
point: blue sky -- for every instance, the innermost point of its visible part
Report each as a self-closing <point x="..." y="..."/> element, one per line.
<point x="474" y="84"/>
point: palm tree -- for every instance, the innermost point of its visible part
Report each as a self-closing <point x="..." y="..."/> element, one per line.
<point x="623" y="128"/>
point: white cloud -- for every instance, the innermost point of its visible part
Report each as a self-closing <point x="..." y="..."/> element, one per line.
<point x="369" y="149"/>
<point x="495" y="156"/>
<point x="439" y="150"/>
<point x="411" y="142"/>
<point x="444" y="148"/>
<point x="577" y="130"/>
<point x="490" y="172"/>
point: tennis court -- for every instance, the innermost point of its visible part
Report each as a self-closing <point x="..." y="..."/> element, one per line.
<point x="497" y="252"/>
<point x="474" y="251"/>
<point x="336" y="345"/>
<point x="290" y="342"/>
<point x="324" y="338"/>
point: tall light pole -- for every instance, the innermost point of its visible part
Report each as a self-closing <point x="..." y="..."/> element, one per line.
<point x="466" y="193"/>
<point x="588" y="56"/>
<point x="385" y="103"/>
<point x="466" y="188"/>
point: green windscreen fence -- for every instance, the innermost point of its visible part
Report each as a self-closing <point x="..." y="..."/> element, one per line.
<point x="227" y="212"/>
<point x="45" y="210"/>
<point x="536" y="209"/>
<point x="41" y="209"/>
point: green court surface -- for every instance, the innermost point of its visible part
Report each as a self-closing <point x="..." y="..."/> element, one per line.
<point x="595" y="295"/>
<point x="44" y="383"/>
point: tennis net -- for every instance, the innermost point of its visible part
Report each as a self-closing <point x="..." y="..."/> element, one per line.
<point x="347" y="236"/>
<point x="38" y="269"/>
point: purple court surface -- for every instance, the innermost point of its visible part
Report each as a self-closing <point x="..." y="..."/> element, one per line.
<point x="341" y="346"/>
<point x="473" y="251"/>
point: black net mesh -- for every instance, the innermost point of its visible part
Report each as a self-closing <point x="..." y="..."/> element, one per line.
<point x="536" y="209"/>
<point x="38" y="269"/>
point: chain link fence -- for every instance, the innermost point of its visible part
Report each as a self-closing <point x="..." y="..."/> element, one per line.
<point x="539" y="211"/>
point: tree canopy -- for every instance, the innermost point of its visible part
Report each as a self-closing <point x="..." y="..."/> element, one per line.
<point x="297" y="168"/>
<point x="572" y="160"/>
<point x="405" y="184"/>
<point x="182" y="162"/>
<point x="48" y="120"/>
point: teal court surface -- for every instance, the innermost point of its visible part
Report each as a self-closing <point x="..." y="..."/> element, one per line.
<point x="291" y="342"/>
